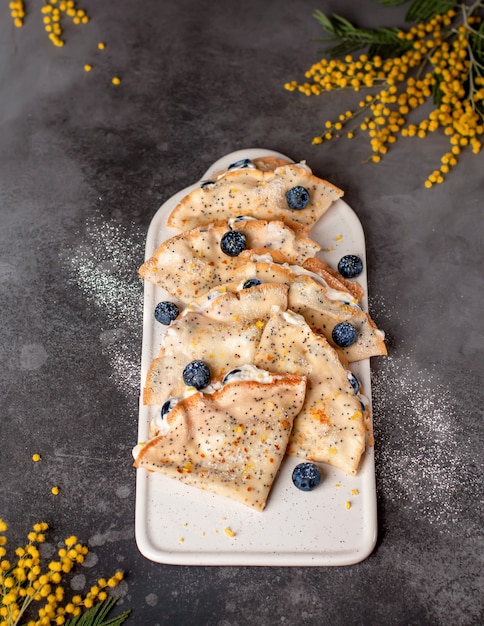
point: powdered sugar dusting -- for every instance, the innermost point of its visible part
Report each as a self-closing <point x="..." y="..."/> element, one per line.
<point x="422" y="456"/>
<point x="103" y="266"/>
<point x="125" y="370"/>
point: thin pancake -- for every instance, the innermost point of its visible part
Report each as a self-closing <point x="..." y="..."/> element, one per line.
<point x="231" y="442"/>
<point x="256" y="193"/>
<point x="224" y="332"/>
<point x="332" y="425"/>
<point x="322" y="306"/>
<point x="189" y="264"/>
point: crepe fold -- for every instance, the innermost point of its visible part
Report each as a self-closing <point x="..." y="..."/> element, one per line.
<point x="259" y="194"/>
<point x="189" y="264"/>
<point x="230" y="442"/>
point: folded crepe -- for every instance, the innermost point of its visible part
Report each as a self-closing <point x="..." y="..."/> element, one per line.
<point x="322" y="306"/>
<point x="189" y="264"/>
<point x="230" y="442"/>
<point x="256" y="193"/>
<point x="222" y="331"/>
<point x="334" y="421"/>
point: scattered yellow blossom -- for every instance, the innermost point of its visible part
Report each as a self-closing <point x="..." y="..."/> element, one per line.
<point x="439" y="64"/>
<point x="53" y="11"/>
<point x="55" y="490"/>
<point x="36" y="457"/>
<point x="17" y="12"/>
<point x="116" y="80"/>
<point x="25" y="582"/>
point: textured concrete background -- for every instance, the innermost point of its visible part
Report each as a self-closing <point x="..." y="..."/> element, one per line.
<point x="83" y="168"/>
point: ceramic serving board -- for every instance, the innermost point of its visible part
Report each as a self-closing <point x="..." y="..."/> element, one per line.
<point x="179" y="524"/>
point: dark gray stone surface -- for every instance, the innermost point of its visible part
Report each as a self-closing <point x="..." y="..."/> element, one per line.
<point x="83" y="168"/>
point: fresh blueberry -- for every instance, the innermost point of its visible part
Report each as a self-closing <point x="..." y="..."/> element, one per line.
<point x="306" y="476"/>
<point x="197" y="374"/>
<point x="350" y="266"/>
<point x="344" y="334"/>
<point x="242" y="164"/>
<point x="167" y="407"/>
<point x="166" y="312"/>
<point x="207" y="183"/>
<point x="354" y="382"/>
<point x="233" y="243"/>
<point x="229" y="375"/>
<point x="297" y="198"/>
<point x="251" y="282"/>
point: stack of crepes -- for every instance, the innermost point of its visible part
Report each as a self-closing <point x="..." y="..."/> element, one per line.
<point x="260" y="316"/>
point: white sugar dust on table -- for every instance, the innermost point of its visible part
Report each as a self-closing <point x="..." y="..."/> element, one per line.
<point x="101" y="266"/>
<point x="422" y="454"/>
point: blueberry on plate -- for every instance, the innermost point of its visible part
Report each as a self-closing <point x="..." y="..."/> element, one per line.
<point x="297" y="198"/>
<point x="230" y="375"/>
<point x="233" y="243"/>
<point x="350" y="266"/>
<point x="197" y="374"/>
<point x="166" y="312"/>
<point x="167" y="407"/>
<point x="344" y="334"/>
<point x="251" y="282"/>
<point x="306" y="476"/>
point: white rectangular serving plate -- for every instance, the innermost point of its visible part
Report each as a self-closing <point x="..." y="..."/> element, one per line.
<point x="335" y="524"/>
